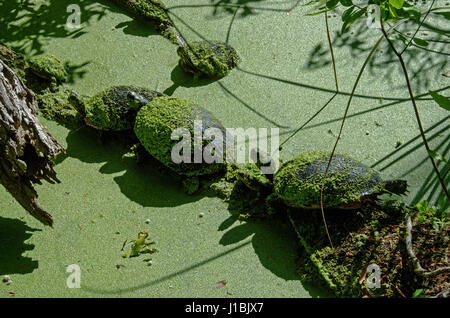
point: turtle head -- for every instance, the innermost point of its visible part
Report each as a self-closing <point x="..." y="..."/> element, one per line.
<point x="136" y="101"/>
<point x="256" y="174"/>
<point x="399" y="187"/>
<point x="77" y="102"/>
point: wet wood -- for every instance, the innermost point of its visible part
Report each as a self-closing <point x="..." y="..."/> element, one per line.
<point x="26" y="149"/>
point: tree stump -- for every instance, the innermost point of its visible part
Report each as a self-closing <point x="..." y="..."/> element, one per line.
<point x="26" y="149"/>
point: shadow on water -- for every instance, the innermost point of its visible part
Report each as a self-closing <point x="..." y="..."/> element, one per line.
<point x="148" y="183"/>
<point x="181" y="79"/>
<point x="274" y="242"/>
<point x="425" y="63"/>
<point x="33" y="24"/>
<point x="245" y="7"/>
<point x="430" y="188"/>
<point x="13" y="235"/>
<point x="137" y="27"/>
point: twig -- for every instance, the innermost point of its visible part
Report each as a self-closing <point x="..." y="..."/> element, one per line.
<point x="337" y="91"/>
<point x="418" y="269"/>
<point x="345" y="116"/>
<point x="417" y="30"/>
<point x="416" y="111"/>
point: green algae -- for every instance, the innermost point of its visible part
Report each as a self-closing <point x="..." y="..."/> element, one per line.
<point x="156" y="122"/>
<point x="214" y="59"/>
<point x="59" y="106"/>
<point x="298" y="181"/>
<point x="110" y="110"/>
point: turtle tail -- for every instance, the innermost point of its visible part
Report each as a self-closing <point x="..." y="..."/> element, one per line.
<point x="398" y="186"/>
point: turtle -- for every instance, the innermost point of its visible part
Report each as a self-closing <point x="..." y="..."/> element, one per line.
<point x="111" y="110"/>
<point x="348" y="185"/>
<point x="214" y="59"/>
<point x="48" y="67"/>
<point x="160" y="124"/>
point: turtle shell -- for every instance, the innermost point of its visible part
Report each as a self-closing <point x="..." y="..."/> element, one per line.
<point x="212" y="58"/>
<point x="165" y="117"/>
<point x="109" y="109"/>
<point x="348" y="183"/>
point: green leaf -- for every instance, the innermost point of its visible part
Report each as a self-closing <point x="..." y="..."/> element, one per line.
<point x="332" y="4"/>
<point x="398" y="4"/>
<point x="347" y="13"/>
<point x="417" y="293"/>
<point x="420" y="42"/>
<point x="413" y="13"/>
<point x="442" y="101"/>
<point x="393" y="11"/>
<point x="436" y="155"/>
<point x="352" y="19"/>
<point x="346" y="3"/>
<point x="422" y="206"/>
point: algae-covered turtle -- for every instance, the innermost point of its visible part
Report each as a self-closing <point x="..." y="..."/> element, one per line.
<point x="48" y="67"/>
<point x="111" y="110"/>
<point x="348" y="184"/>
<point x="214" y="59"/>
<point x="183" y="136"/>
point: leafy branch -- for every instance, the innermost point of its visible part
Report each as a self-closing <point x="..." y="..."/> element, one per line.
<point x="387" y="10"/>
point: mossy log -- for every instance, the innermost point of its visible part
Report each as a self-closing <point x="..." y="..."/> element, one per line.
<point x="155" y="12"/>
<point x="26" y="149"/>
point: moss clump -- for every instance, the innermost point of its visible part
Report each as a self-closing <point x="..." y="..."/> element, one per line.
<point x="58" y="106"/>
<point x="222" y="188"/>
<point x="109" y="109"/>
<point x="14" y="60"/>
<point x="155" y="12"/>
<point x="49" y="67"/>
<point x="213" y="59"/>
<point x="36" y="81"/>
<point x="298" y="181"/>
<point x="157" y="120"/>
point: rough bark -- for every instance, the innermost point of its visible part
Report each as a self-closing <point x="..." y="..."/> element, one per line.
<point x="26" y="149"/>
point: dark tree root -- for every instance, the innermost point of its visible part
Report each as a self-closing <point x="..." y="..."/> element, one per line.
<point x="26" y="149"/>
<point x="418" y="269"/>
